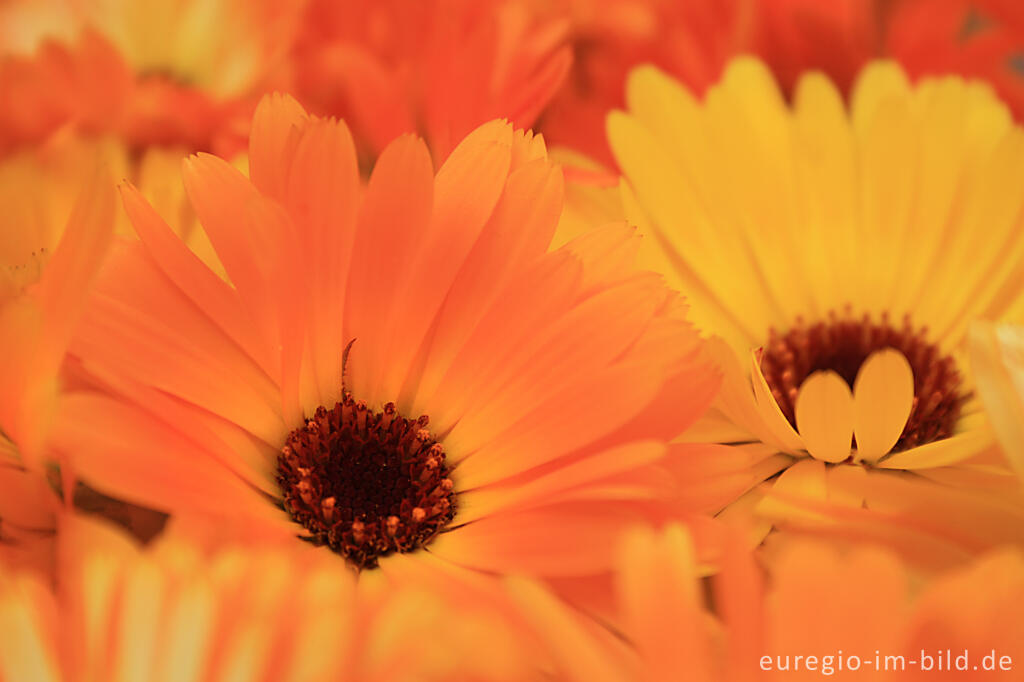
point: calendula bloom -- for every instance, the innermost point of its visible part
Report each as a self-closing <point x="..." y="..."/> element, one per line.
<point x="438" y="68"/>
<point x="840" y="254"/>
<point x="974" y="38"/>
<point x="393" y="368"/>
<point x="815" y="612"/>
<point x="176" y="611"/>
<point x="168" y="73"/>
<point x="46" y="270"/>
<point x="663" y="627"/>
<point x="691" y="40"/>
<point x="838" y="38"/>
<point x="997" y="360"/>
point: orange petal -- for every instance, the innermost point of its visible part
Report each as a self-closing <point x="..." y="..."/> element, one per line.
<point x="323" y="199"/>
<point x="577" y="538"/>
<point x="276" y="125"/>
<point x="393" y="220"/>
<point x="518" y="232"/>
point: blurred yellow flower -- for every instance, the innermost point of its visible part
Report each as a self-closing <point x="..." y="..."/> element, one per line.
<point x="840" y="254"/>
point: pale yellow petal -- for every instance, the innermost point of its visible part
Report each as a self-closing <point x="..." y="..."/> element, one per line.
<point x="997" y="360"/>
<point x="825" y="416"/>
<point x="804" y="482"/>
<point x="883" y="396"/>
<point x="769" y="411"/>
<point x="940" y="453"/>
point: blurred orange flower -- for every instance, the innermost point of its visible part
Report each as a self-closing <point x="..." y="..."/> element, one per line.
<point x="973" y="38"/>
<point x="176" y="73"/>
<point x="46" y="271"/>
<point x="175" y="611"/>
<point x="438" y="68"/>
<point x="550" y="379"/>
<point x="815" y="612"/>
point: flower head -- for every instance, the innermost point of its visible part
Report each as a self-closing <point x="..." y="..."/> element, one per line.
<point x="438" y="68"/>
<point x="392" y="368"/>
<point x="47" y="263"/>
<point x="821" y="244"/>
<point x="168" y="73"/>
<point x="121" y="612"/>
<point x="814" y="612"/>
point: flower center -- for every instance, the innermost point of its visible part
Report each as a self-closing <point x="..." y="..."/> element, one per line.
<point x="842" y="344"/>
<point x="366" y="483"/>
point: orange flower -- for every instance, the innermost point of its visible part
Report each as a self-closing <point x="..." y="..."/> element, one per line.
<point x="173" y="611"/>
<point x="817" y="613"/>
<point x="391" y="367"/>
<point x="161" y="73"/>
<point x="438" y="68"/>
<point x="46" y="269"/>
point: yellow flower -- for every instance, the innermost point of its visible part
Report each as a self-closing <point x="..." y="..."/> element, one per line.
<point x="840" y="254"/>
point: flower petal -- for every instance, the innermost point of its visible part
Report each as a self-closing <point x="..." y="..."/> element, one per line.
<point x="824" y="416"/>
<point x="883" y="396"/>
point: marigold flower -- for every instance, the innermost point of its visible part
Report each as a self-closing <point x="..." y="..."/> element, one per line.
<point x="820" y="243"/>
<point x="392" y="367"/>
<point x="176" y="611"/>
<point x="693" y="41"/>
<point x="167" y="73"/>
<point x="45" y="273"/>
<point x="812" y="607"/>
<point x="973" y="38"/>
<point x="438" y="68"/>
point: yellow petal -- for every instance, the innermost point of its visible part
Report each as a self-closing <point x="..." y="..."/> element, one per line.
<point x="800" y="484"/>
<point x="774" y="420"/>
<point x="883" y="396"/>
<point x="824" y="416"/>
<point x="876" y="83"/>
<point x="942" y="452"/>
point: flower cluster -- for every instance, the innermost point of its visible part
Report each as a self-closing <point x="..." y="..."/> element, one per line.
<point x="510" y="340"/>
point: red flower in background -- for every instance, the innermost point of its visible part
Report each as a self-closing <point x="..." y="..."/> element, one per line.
<point x="977" y="39"/>
<point x="692" y="41"/>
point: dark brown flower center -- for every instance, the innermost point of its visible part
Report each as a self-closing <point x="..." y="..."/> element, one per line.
<point x="842" y="344"/>
<point x="366" y="483"/>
